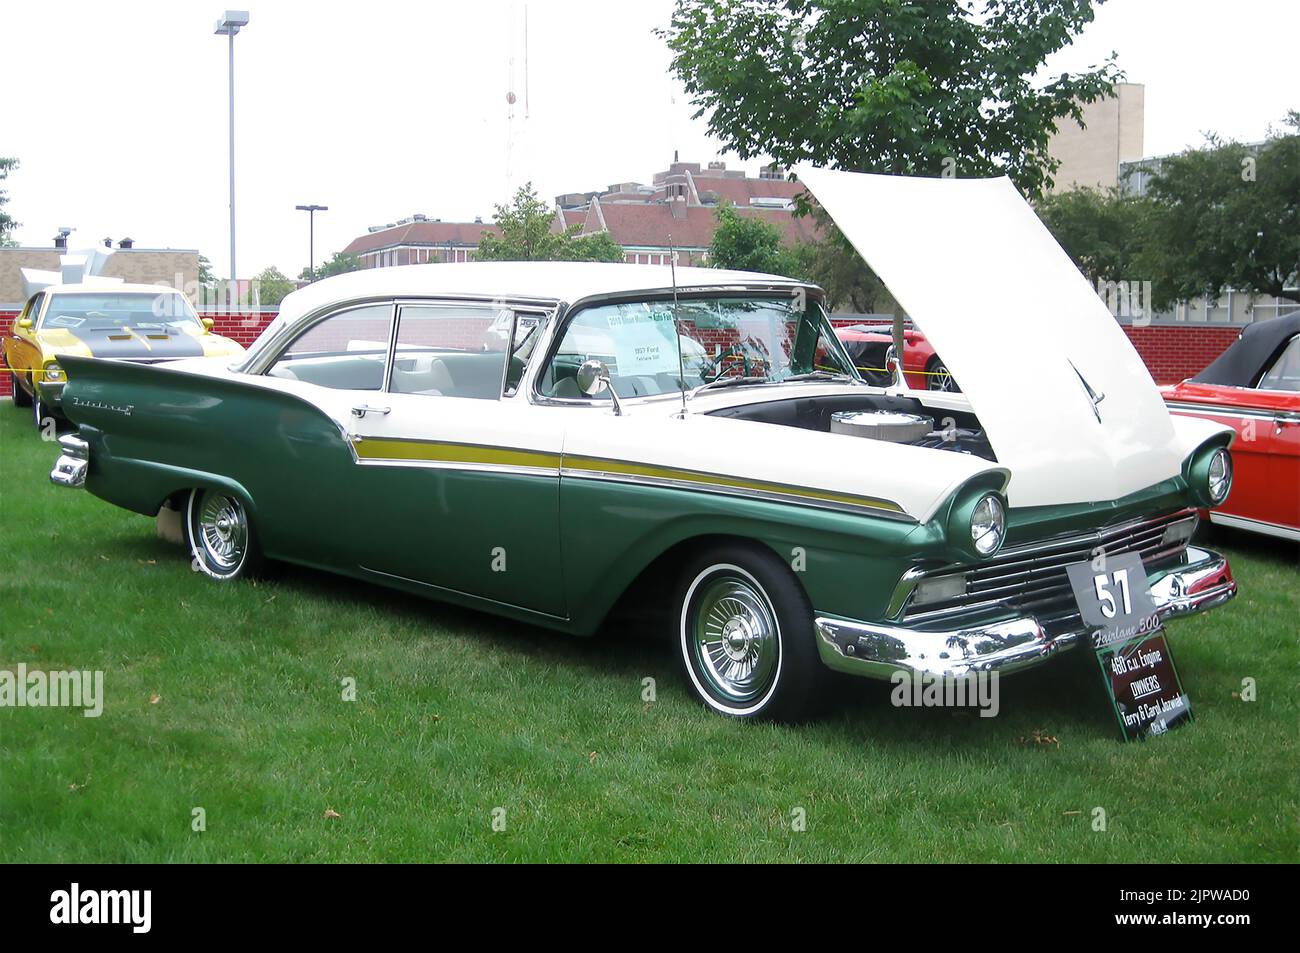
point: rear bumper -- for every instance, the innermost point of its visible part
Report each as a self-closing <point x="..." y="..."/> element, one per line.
<point x="1200" y="580"/>
<point x="70" y="469"/>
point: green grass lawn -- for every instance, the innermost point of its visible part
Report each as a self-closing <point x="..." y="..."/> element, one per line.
<point x="229" y="698"/>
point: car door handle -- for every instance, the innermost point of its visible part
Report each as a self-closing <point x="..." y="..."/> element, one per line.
<point x="362" y="409"/>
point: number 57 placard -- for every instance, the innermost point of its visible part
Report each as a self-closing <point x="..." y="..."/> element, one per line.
<point x="1136" y="665"/>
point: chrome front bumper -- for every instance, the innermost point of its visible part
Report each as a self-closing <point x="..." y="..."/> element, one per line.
<point x="1200" y="580"/>
<point x="70" y="468"/>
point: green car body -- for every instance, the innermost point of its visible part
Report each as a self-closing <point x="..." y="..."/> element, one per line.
<point x="556" y="533"/>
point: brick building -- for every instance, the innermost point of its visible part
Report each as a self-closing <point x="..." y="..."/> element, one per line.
<point x="679" y="209"/>
<point x="418" y="240"/>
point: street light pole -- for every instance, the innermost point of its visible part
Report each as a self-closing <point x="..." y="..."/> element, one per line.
<point x="229" y="25"/>
<point x="311" y="211"/>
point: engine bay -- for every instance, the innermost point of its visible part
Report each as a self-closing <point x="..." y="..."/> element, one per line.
<point x="957" y="431"/>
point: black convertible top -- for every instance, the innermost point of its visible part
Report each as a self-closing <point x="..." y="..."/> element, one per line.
<point x="1249" y="356"/>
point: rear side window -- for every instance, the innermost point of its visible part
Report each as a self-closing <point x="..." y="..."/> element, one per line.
<point x="1285" y="372"/>
<point x="346" y="351"/>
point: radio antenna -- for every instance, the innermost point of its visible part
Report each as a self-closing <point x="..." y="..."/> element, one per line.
<point x="677" y="330"/>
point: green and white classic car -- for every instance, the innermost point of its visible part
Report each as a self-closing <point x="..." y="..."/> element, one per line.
<point x="539" y="440"/>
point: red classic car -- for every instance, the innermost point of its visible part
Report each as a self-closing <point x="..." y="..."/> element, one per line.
<point x="1254" y="387"/>
<point x="867" y="344"/>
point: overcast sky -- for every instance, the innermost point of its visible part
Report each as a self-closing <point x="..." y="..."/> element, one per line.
<point x="379" y="109"/>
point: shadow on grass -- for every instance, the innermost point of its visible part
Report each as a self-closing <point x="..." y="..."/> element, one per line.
<point x="1063" y="693"/>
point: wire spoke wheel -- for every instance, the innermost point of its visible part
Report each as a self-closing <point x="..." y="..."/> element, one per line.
<point x="221" y="533"/>
<point x="734" y="637"/>
<point x="941" y="379"/>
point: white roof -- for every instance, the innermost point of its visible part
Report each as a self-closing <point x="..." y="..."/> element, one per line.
<point x="553" y="280"/>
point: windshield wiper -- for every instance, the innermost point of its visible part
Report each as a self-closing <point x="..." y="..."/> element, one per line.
<point x="819" y="376"/>
<point x="730" y="382"/>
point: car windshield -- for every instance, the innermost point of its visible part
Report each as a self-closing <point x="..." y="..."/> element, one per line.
<point x="166" y="312"/>
<point x="658" y="347"/>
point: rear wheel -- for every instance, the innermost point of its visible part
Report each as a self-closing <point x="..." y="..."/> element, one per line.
<point x="746" y="635"/>
<point x="220" y="536"/>
<point x="21" y="397"/>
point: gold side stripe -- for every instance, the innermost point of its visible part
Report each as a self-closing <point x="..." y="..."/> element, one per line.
<point x="597" y="465"/>
<point x="439" y="452"/>
<point x="478" y="455"/>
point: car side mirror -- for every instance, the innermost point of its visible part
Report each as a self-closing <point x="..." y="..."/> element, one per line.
<point x="207" y="323"/>
<point x="593" y="379"/>
<point x="25" y="324"/>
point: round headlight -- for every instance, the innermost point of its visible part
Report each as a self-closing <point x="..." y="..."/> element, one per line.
<point x="988" y="524"/>
<point x="53" y="372"/>
<point x="1219" y="476"/>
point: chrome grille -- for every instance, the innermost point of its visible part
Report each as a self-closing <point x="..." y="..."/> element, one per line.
<point x="1032" y="578"/>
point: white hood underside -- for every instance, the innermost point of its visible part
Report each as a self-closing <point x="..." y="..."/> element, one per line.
<point x="1013" y="319"/>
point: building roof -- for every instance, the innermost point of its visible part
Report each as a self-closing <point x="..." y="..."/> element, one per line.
<point x="421" y="233"/>
<point x="642" y="226"/>
<point x="739" y="192"/>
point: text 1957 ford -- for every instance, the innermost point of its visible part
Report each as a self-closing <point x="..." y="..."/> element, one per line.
<point x="532" y="439"/>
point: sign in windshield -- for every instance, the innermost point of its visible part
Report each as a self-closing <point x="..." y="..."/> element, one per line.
<point x="661" y="347"/>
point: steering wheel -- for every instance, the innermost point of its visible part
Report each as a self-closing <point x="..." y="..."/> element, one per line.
<point x="716" y="370"/>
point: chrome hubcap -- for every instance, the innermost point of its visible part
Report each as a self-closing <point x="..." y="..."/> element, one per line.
<point x="942" y="379"/>
<point x="735" y="639"/>
<point x="223" y="531"/>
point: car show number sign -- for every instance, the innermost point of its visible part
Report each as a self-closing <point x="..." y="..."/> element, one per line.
<point x="645" y="342"/>
<point x="1136" y="665"/>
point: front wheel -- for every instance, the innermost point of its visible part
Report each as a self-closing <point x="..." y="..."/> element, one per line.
<point x="746" y="635"/>
<point x="938" y="377"/>
<point x="220" y="536"/>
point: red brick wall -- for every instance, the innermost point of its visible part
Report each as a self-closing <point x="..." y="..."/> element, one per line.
<point x="1171" y="352"/>
<point x="1175" y="353"/>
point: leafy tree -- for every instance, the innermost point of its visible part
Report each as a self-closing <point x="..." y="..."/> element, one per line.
<point x="527" y="235"/>
<point x="7" y="224"/>
<point x="206" y="278"/>
<point x="598" y="247"/>
<point x="752" y="244"/>
<point x="834" y="264"/>
<point x="885" y="86"/>
<point x="340" y="263"/>
<point x="272" y="285"/>
<point x="1100" y="230"/>
<point x="746" y="243"/>
<point x="1226" y="216"/>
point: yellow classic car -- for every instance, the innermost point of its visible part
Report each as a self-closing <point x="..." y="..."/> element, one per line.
<point x="145" y="324"/>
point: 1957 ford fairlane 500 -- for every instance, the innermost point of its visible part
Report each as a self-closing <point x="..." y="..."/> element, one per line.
<point x="532" y="439"/>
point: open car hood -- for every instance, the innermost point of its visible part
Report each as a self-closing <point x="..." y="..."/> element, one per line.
<point x="1066" y="402"/>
